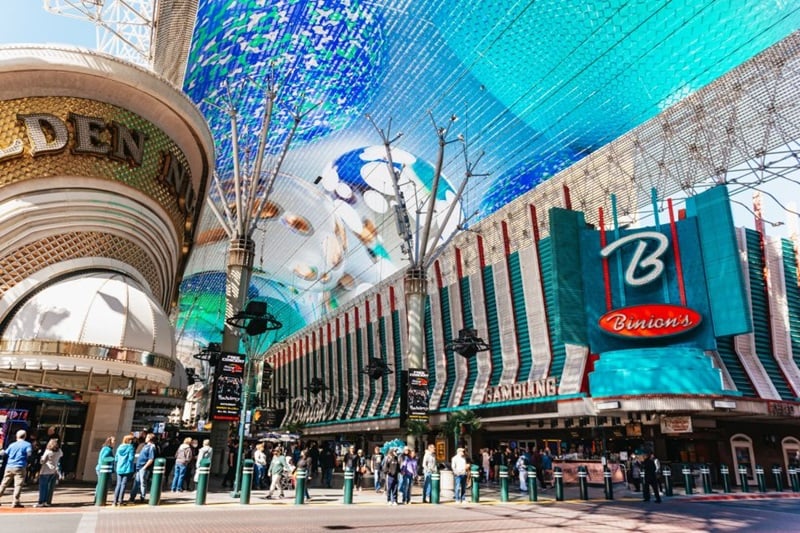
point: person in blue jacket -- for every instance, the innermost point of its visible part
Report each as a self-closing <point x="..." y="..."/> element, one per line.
<point x="123" y="466"/>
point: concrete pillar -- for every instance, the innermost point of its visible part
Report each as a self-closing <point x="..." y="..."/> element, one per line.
<point x="107" y="416"/>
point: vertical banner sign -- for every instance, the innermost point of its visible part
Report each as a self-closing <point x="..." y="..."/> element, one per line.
<point x="418" y="395"/>
<point x="227" y="398"/>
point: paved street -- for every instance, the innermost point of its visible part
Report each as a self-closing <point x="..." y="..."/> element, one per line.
<point x="74" y="512"/>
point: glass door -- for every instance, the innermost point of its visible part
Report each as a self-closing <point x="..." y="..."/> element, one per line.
<point x="742" y="451"/>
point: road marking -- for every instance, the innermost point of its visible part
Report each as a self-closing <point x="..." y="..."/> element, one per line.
<point x="88" y="523"/>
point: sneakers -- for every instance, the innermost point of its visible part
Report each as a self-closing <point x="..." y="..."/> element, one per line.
<point x="18" y="505"/>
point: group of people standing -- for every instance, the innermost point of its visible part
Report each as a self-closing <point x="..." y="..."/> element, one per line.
<point x="134" y="459"/>
<point x="19" y="455"/>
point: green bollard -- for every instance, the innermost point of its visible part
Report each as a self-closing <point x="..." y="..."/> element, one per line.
<point x="726" y="482"/>
<point x="608" y="483"/>
<point x="475" y="472"/>
<point x="203" y="473"/>
<point x="705" y="472"/>
<point x="159" y="467"/>
<point x="103" y="479"/>
<point x="532" y="484"/>
<point x="583" y="487"/>
<point x="667" y="473"/>
<point x="558" y="481"/>
<point x="743" y="479"/>
<point x="794" y="479"/>
<point x="436" y="479"/>
<point x="247" y="482"/>
<point x="348" y="486"/>
<point x="687" y="479"/>
<point x="777" y="472"/>
<point x="300" y="487"/>
<point x="762" y="482"/>
<point x="503" y="483"/>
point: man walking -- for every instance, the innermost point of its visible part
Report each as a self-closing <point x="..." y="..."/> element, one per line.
<point x="429" y="466"/>
<point x="459" y="466"/>
<point x="17" y="456"/>
<point x="650" y="478"/>
<point x="144" y="468"/>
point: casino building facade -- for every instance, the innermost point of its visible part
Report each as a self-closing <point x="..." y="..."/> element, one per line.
<point x="609" y="331"/>
<point x="103" y="170"/>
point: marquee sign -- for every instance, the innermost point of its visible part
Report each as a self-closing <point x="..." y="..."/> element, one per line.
<point x="649" y="321"/>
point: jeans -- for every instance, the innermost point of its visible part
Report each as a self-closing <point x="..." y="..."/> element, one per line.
<point x="391" y="488"/>
<point x="378" y="479"/>
<point x="47" y="484"/>
<point x="460" y="484"/>
<point x="523" y="480"/>
<point x="327" y="477"/>
<point x="408" y="481"/>
<point x="141" y="481"/>
<point x="259" y="472"/>
<point x="122" y="485"/>
<point x="177" y="477"/>
<point x="426" y="487"/>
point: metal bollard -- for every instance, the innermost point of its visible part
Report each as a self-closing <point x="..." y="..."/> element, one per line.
<point x="300" y="487"/>
<point x="159" y="467"/>
<point x="762" y="482"/>
<point x="608" y="483"/>
<point x="794" y="481"/>
<point x="667" y="473"/>
<point x="687" y="479"/>
<point x="247" y="482"/>
<point x="532" y="484"/>
<point x="203" y="473"/>
<point x="777" y="472"/>
<point x="475" y="472"/>
<point x="103" y="480"/>
<point x="743" y="479"/>
<point x="705" y="472"/>
<point x="558" y="481"/>
<point x="726" y="482"/>
<point x="503" y="483"/>
<point x="583" y="488"/>
<point x="347" y="489"/>
<point x="435" y="485"/>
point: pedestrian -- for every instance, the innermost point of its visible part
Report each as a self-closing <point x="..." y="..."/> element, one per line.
<point x="522" y="470"/>
<point x="486" y="460"/>
<point x="17" y="457"/>
<point x="429" y="467"/>
<point x="401" y="478"/>
<point x="376" y="465"/>
<point x="303" y="463"/>
<point x="636" y="473"/>
<point x="277" y="468"/>
<point x="49" y="472"/>
<point x="459" y="466"/>
<point x="360" y="464"/>
<point x="409" y="471"/>
<point x="206" y="452"/>
<point x="183" y="457"/>
<point x="233" y="450"/>
<point x="327" y="461"/>
<point x="144" y="468"/>
<point x="259" y="466"/>
<point x="547" y="467"/>
<point x="650" y="478"/>
<point x="391" y="469"/>
<point x="123" y="465"/>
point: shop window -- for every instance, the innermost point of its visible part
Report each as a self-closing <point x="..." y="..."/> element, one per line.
<point x="742" y="451"/>
<point x="791" y="452"/>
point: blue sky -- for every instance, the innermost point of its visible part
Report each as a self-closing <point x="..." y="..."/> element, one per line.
<point x="26" y="21"/>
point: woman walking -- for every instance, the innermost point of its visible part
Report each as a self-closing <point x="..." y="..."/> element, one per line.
<point x="49" y="472"/>
<point x="123" y="462"/>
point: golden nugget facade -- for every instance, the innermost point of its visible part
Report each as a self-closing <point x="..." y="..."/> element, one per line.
<point x="103" y="168"/>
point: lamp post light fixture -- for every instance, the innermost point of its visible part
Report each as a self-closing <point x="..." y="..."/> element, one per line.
<point x="253" y="321"/>
<point x="376" y="368"/>
<point x="467" y="344"/>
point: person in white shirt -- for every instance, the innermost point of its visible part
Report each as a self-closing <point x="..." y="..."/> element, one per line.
<point x="459" y="466"/>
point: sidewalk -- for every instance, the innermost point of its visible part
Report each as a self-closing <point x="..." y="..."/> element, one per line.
<point x="80" y="497"/>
